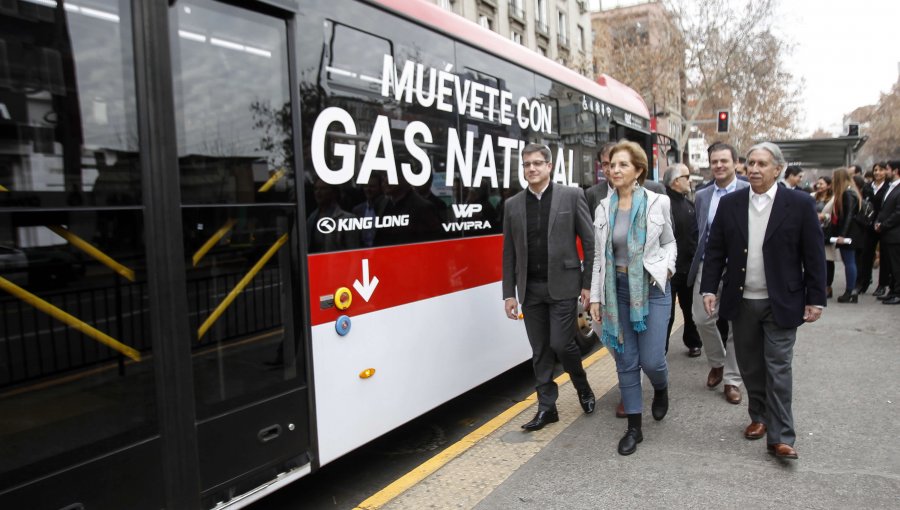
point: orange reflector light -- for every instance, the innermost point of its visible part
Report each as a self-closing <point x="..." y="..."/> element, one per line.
<point x="365" y="374"/>
<point x="521" y="316"/>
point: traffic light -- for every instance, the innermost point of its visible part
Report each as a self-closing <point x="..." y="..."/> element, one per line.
<point x="722" y="121"/>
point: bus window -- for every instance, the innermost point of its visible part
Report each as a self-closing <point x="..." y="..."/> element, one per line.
<point x="576" y="140"/>
<point x="375" y="142"/>
<point x="76" y="366"/>
<point x="497" y="139"/>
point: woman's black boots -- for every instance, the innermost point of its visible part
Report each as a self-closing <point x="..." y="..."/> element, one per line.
<point x="633" y="436"/>
<point x="660" y="405"/>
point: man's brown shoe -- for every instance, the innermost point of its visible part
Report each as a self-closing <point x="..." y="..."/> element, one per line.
<point x="714" y="377"/>
<point x="782" y="451"/>
<point x="732" y="394"/>
<point x="620" y="410"/>
<point x="755" y="430"/>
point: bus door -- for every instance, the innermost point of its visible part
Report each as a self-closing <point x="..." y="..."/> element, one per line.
<point x="239" y="208"/>
<point x="79" y="421"/>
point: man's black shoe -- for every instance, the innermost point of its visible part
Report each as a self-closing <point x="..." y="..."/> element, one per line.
<point x="893" y="301"/>
<point x="694" y="352"/>
<point x="880" y="291"/>
<point x="541" y="419"/>
<point x="886" y="296"/>
<point x="660" y="405"/>
<point x="628" y="443"/>
<point x="586" y="397"/>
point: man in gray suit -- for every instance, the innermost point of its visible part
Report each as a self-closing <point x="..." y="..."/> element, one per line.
<point x="540" y="262"/>
<point x="722" y="362"/>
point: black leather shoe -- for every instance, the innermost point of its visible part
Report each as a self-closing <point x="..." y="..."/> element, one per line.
<point x="694" y="352"/>
<point x="588" y="402"/>
<point x="541" y="419"/>
<point x="628" y="443"/>
<point x="893" y="301"/>
<point x="880" y="291"/>
<point x="660" y="405"/>
<point x="886" y="296"/>
<point x="848" y="297"/>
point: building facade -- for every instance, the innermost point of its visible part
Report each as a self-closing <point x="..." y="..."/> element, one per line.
<point x="557" y="29"/>
<point x="640" y="46"/>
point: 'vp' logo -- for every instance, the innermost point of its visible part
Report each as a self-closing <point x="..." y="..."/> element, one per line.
<point x="466" y="210"/>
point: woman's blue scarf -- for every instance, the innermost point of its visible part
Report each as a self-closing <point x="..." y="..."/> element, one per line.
<point x="638" y="283"/>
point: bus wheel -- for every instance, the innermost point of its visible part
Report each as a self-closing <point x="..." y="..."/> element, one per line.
<point x="584" y="334"/>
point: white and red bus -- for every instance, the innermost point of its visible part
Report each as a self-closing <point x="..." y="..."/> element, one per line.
<point x="241" y="239"/>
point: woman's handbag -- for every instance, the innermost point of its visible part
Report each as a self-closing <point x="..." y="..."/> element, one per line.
<point x="866" y="215"/>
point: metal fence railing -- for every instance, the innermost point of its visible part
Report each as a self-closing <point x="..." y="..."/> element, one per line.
<point x="35" y="346"/>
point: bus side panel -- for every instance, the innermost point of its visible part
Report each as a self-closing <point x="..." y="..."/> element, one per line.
<point x="424" y="354"/>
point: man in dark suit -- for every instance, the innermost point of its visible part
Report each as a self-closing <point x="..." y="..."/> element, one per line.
<point x="888" y="227"/>
<point x="875" y="192"/>
<point x="769" y="244"/>
<point x="540" y="263"/>
<point x="677" y="179"/>
<point x="601" y="190"/>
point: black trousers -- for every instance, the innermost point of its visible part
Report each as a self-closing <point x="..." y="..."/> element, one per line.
<point x="885" y="273"/>
<point x="865" y="258"/>
<point x="684" y="291"/>
<point x="893" y="253"/>
<point x="550" y="325"/>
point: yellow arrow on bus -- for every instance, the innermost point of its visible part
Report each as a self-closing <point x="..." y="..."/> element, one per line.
<point x="68" y="319"/>
<point x="241" y="285"/>
<point x="92" y="250"/>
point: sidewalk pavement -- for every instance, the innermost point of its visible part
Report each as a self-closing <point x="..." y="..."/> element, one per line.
<point x="846" y="409"/>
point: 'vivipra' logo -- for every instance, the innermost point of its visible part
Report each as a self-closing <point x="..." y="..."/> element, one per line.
<point x="330" y="225"/>
<point x="466" y="210"/>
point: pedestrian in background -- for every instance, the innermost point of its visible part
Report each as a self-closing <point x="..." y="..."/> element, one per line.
<point x="677" y="180"/>
<point x="874" y="192"/>
<point x="718" y="346"/>
<point x="770" y="243"/>
<point x="824" y="198"/>
<point x="634" y="258"/>
<point x="847" y="200"/>
<point x="888" y="226"/>
<point x="540" y="265"/>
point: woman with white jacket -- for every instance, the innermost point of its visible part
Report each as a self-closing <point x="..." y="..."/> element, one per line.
<point x="634" y="257"/>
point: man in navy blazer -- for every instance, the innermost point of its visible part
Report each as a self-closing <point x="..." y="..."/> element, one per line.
<point x="769" y="244"/>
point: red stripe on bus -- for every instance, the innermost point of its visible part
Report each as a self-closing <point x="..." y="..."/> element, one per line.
<point x="405" y="273"/>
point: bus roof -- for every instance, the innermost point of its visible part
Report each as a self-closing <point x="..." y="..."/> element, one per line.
<point x="606" y="88"/>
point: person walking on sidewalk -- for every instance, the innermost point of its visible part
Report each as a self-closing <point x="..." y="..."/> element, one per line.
<point x="721" y="357"/>
<point x="634" y="258"/>
<point x="540" y="262"/>
<point x="677" y="179"/>
<point x="888" y="227"/>
<point x="771" y="245"/>
<point x="845" y="228"/>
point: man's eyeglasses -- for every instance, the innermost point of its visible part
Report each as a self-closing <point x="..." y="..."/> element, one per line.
<point x="682" y="177"/>
<point x="535" y="164"/>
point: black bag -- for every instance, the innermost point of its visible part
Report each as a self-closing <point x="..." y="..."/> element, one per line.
<point x="866" y="215"/>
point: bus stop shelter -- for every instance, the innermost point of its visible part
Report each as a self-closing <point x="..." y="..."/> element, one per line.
<point x="821" y="152"/>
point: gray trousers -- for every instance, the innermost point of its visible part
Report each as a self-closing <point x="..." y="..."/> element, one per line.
<point x="550" y="325"/>
<point x="716" y="352"/>
<point x="764" y="353"/>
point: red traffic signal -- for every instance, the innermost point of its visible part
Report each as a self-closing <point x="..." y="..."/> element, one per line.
<point x="722" y="121"/>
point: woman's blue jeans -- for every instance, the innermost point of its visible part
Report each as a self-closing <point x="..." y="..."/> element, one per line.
<point x="848" y="257"/>
<point x="645" y="350"/>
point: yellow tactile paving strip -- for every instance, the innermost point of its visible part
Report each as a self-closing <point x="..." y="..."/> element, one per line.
<point x="467" y="471"/>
